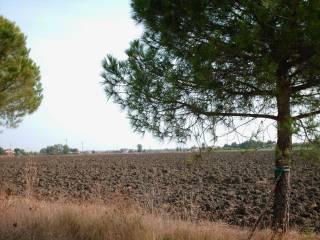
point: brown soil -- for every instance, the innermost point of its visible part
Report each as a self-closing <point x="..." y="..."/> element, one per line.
<point x="228" y="186"/>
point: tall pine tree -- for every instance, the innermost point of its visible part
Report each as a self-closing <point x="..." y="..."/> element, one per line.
<point x="206" y="62"/>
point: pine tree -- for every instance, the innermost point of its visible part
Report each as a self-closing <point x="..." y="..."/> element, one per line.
<point x="209" y="62"/>
<point x="20" y="88"/>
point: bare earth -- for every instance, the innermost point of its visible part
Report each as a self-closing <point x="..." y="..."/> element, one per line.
<point x="228" y="186"/>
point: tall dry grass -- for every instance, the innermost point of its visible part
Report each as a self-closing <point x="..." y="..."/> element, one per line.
<point x="27" y="218"/>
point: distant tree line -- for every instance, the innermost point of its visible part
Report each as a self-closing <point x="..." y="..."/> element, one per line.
<point x="58" y="149"/>
<point x="17" y="151"/>
<point x="250" y="144"/>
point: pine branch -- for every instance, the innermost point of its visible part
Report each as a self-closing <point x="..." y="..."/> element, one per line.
<point x="305" y="115"/>
<point x="196" y="110"/>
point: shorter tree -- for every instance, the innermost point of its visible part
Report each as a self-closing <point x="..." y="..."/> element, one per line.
<point x="57" y="149"/>
<point x="43" y="151"/>
<point x="19" y="151"/>
<point x="53" y="150"/>
<point x="139" y="147"/>
<point x="66" y="149"/>
<point x="1" y="151"/>
<point x="203" y="146"/>
<point x="20" y="88"/>
<point x="74" y="150"/>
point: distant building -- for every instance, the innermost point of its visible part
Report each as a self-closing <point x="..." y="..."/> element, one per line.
<point x="8" y="152"/>
<point x="124" y="150"/>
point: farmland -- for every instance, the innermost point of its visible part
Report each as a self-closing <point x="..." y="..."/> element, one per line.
<point x="229" y="186"/>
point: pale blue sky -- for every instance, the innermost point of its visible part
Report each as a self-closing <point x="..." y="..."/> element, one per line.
<point x="68" y="40"/>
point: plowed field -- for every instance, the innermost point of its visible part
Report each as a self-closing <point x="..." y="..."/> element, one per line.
<point x="228" y="186"/>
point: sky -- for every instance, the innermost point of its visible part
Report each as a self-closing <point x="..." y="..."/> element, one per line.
<point x="68" y="41"/>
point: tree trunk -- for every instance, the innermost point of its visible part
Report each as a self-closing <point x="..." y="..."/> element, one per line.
<point x="281" y="205"/>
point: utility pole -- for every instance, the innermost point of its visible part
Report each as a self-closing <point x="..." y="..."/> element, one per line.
<point x="82" y="147"/>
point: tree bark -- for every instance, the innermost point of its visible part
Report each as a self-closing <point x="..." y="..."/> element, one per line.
<point x="281" y="205"/>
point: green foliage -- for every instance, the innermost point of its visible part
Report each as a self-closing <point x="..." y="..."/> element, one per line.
<point x="139" y="147"/>
<point x="1" y="151"/>
<point x="205" y="62"/>
<point x="74" y="150"/>
<point x="178" y="149"/>
<point x="20" y="88"/>
<point x="203" y="147"/>
<point x="209" y="149"/>
<point x="250" y="144"/>
<point x="66" y="149"/>
<point x="58" y="149"/>
<point x="311" y="151"/>
<point x="19" y="151"/>
<point x="308" y="233"/>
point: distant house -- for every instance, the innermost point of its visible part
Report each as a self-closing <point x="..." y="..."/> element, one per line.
<point x="8" y="152"/>
<point x="124" y="150"/>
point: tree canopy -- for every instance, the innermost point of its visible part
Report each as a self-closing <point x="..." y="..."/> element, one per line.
<point x="1" y="151"/>
<point x="250" y="144"/>
<point x="139" y="147"/>
<point x="209" y="62"/>
<point x="58" y="149"/>
<point x="20" y="87"/>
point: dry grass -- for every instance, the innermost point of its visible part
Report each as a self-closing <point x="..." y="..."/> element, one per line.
<point x="27" y="218"/>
